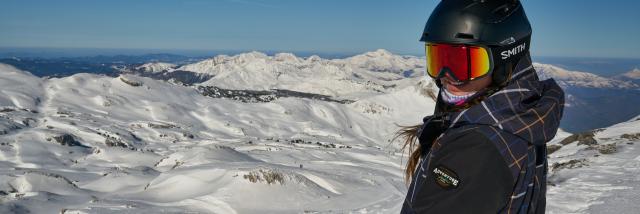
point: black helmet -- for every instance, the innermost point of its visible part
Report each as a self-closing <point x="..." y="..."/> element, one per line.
<point x="500" y="25"/>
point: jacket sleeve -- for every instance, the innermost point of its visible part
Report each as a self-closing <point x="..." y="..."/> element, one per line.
<point x="466" y="175"/>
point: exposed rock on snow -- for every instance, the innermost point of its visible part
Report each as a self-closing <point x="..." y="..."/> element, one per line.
<point x="585" y="138"/>
<point x="68" y="140"/>
<point x="130" y="82"/>
<point x="269" y="176"/>
<point x="596" y="177"/>
<point x="252" y="96"/>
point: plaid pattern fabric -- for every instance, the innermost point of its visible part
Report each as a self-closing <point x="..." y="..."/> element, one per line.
<point x="527" y="107"/>
<point x="519" y="119"/>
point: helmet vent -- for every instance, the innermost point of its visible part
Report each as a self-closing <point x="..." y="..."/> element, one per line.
<point x="503" y="9"/>
<point x="464" y="36"/>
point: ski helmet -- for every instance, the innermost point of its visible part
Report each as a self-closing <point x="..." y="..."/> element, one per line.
<point x="499" y="25"/>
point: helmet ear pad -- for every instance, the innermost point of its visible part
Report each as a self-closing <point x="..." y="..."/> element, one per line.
<point x="501" y="74"/>
<point x="505" y="59"/>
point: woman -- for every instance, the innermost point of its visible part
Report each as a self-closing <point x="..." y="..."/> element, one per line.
<point x="483" y="150"/>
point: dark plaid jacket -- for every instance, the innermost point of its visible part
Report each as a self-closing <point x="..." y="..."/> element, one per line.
<point x="490" y="157"/>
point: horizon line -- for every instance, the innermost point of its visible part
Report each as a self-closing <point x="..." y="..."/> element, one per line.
<point x="172" y="51"/>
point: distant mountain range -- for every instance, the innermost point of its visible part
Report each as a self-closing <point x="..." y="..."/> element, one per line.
<point x="66" y="66"/>
<point x="568" y="78"/>
<point x="592" y="101"/>
<point x="605" y="67"/>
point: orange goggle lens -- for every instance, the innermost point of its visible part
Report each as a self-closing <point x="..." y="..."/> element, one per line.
<point x="463" y="62"/>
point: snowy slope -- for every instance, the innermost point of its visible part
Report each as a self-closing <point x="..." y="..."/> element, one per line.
<point x="20" y="89"/>
<point x="597" y="171"/>
<point x="135" y="144"/>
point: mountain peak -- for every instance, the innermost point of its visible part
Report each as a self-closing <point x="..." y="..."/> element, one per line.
<point x="252" y="55"/>
<point x="633" y="74"/>
<point x="286" y="57"/>
<point x="155" y="67"/>
<point x="314" y="58"/>
<point x="379" y="52"/>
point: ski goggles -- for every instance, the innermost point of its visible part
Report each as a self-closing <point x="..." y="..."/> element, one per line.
<point x="462" y="62"/>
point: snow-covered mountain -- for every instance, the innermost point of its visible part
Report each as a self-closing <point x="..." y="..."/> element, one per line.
<point x="596" y="171"/>
<point x="383" y="60"/>
<point x="164" y="71"/>
<point x="380" y="72"/>
<point x="91" y="143"/>
<point x="258" y="71"/>
<point x="580" y="79"/>
<point x="593" y="101"/>
<point x="633" y="76"/>
<point x="156" y="67"/>
<point x="369" y="73"/>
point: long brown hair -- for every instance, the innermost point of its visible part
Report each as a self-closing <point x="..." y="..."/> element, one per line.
<point x="409" y="136"/>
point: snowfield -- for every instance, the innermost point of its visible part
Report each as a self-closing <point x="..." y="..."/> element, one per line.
<point x="281" y="134"/>
<point x="89" y="143"/>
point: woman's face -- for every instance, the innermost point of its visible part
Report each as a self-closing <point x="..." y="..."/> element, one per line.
<point x="460" y="89"/>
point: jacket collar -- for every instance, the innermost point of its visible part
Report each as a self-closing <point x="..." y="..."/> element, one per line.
<point x="526" y="107"/>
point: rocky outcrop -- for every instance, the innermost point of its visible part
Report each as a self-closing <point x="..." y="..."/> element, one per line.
<point x="68" y="140"/>
<point x="254" y="96"/>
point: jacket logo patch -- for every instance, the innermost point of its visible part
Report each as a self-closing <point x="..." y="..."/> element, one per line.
<point x="445" y="177"/>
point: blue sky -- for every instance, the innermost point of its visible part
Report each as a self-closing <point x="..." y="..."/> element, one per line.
<point x="580" y="28"/>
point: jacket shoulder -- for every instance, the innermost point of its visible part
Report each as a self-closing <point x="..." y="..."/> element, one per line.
<point x="466" y="168"/>
<point x="513" y="149"/>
